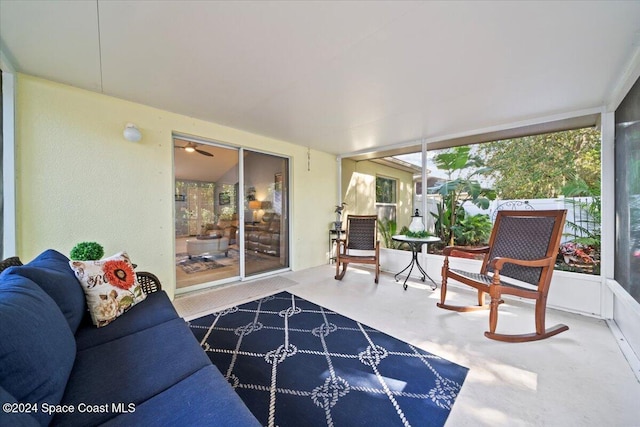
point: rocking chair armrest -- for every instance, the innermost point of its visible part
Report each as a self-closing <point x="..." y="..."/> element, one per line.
<point x="498" y="262"/>
<point x="481" y="250"/>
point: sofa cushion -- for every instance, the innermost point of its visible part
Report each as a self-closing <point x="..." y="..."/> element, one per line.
<point x="157" y="309"/>
<point x="50" y="270"/>
<point x="131" y="369"/>
<point x="202" y="399"/>
<point x="37" y="348"/>
<point x="14" y="415"/>
<point x="110" y="286"/>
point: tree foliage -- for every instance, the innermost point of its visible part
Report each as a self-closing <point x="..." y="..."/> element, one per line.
<point x="455" y="192"/>
<point x="540" y="166"/>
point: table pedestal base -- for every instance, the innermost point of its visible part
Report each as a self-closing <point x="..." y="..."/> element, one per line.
<point x="415" y="250"/>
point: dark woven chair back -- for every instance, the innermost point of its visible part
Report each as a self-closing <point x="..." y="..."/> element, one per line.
<point x="522" y="237"/>
<point x="362" y="232"/>
<point x="10" y="262"/>
<point x="362" y="235"/>
<point x="149" y="282"/>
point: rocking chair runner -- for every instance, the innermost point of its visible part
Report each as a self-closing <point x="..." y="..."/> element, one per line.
<point x="362" y="235"/>
<point x="523" y="246"/>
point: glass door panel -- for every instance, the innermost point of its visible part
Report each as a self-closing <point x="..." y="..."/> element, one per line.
<point x="206" y="214"/>
<point x="266" y="213"/>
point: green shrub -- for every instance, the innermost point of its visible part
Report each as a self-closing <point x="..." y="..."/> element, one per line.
<point x="473" y="230"/>
<point x="388" y="229"/>
<point x="87" y="251"/>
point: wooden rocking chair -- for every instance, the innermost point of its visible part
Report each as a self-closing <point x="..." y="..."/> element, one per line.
<point x="523" y="246"/>
<point x="362" y="235"/>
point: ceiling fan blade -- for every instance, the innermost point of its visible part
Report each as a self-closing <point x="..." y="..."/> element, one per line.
<point x="191" y="147"/>
<point x="204" y="153"/>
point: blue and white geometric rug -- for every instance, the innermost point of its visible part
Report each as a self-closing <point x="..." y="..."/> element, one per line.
<point x="295" y="363"/>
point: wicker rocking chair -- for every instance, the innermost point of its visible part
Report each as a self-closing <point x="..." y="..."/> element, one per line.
<point x="362" y="235"/>
<point x="523" y="246"/>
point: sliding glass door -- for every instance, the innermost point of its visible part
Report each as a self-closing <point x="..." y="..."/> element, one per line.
<point x="266" y="212"/>
<point x="206" y="213"/>
<point x="231" y="213"/>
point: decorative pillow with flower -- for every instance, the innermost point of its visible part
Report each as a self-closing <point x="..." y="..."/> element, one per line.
<point x="110" y="286"/>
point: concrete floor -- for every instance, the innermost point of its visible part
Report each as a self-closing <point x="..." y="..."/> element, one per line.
<point x="577" y="378"/>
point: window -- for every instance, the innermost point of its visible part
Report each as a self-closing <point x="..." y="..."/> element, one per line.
<point x="386" y="198"/>
<point x="385" y="190"/>
<point x="627" y="197"/>
<point x="194" y="207"/>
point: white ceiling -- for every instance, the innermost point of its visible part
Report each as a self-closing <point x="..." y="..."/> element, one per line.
<point x="336" y="76"/>
<point x="198" y="167"/>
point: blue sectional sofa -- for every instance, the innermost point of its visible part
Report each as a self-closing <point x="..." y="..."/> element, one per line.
<point x="143" y="369"/>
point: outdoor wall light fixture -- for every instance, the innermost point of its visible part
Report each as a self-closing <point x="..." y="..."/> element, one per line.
<point x="132" y="133"/>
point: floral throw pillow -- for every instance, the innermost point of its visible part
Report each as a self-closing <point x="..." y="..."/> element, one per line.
<point x="110" y="286"/>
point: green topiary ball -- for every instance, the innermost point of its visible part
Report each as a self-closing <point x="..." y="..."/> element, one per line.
<point x="87" y="251"/>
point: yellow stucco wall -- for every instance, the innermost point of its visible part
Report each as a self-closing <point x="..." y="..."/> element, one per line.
<point x="78" y="179"/>
<point x="359" y="188"/>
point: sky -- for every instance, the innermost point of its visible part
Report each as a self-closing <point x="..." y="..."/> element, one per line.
<point x="416" y="159"/>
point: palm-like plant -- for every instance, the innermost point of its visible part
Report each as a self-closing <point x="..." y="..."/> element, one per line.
<point x="473" y="229"/>
<point x="455" y="192"/>
<point x="586" y="229"/>
<point x="388" y="229"/>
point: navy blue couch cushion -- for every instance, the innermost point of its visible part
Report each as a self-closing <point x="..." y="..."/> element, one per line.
<point x="13" y="416"/>
<point x="131" y="369"/>
<point x="37" y="348"/>
<point x="51" y="271"/>
<point x="202" y="399"/>
<point x="154" y="310"/>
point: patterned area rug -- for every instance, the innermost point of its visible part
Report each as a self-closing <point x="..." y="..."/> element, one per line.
<point x="295" y="363"/>
<point x="196" y="264"/>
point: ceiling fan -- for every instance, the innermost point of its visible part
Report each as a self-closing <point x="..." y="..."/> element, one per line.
<point x="193" y="147"/>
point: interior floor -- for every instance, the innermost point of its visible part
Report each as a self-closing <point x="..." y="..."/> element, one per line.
<point x="254" y="263"/>
<point x="579" y="377"/>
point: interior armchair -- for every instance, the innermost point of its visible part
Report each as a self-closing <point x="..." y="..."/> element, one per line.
<point x="223" y="228"/>
<point x="519" y="261"/>
<point x="361" y="245"/>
